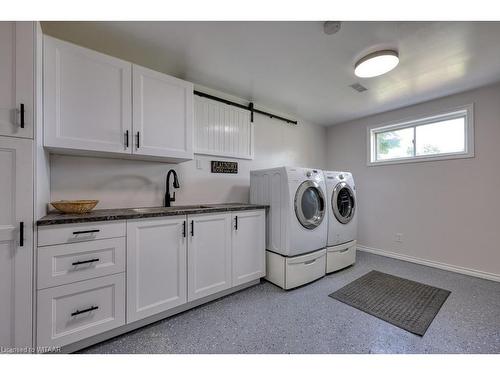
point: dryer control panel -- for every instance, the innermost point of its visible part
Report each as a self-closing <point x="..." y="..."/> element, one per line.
<point x="300" y="174"/>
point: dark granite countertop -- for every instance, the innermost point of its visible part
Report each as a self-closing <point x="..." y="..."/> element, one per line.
<point x="138" y="213"/>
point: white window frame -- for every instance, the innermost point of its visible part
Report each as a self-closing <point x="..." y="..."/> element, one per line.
<point x="467" y="110"/>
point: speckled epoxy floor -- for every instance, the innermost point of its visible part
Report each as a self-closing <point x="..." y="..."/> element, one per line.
<point x="266" y="319"/>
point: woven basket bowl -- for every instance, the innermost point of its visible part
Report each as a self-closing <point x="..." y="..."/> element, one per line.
<point x="75" y="207"/>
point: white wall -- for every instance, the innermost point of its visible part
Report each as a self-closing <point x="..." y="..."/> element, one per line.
<point x="125" y="183"/>
<point x="448" y="211"/>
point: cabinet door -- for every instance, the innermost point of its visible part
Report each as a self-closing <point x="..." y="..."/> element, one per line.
<point x="209" y="254"/>
<point x="156" y="266"/>
<point x="16" y="79"/>
<point x="16" y="254"/>
<point x="249" y="246"/>
<point x="163" y="115"/>
<point x="87" y="99"/>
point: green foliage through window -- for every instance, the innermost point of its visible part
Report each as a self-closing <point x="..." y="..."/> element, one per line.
<point x="388" y="141"/>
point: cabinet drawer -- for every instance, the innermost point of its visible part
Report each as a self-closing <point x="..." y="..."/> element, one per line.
<point x="68" y="263"/>
<point x="69" y="233"/>
<point x="73" y="312"/>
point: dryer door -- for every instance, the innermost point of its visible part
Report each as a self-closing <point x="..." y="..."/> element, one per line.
<point x="343" y="202"/>
<point x="309" y="204"/>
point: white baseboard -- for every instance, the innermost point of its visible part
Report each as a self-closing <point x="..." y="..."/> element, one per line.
<point x="431" y="263"/>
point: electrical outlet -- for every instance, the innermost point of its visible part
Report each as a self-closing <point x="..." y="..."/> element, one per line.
<point x="399" y="237"/>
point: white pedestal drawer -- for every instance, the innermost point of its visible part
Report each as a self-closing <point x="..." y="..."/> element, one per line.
<point x="73" y="312"/>
<point x="69" y="263"/>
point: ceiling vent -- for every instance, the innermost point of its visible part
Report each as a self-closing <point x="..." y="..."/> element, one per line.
<point x="358" y="87"/>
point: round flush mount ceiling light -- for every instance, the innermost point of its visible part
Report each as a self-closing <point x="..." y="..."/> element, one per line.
<point x="376" y="63"/>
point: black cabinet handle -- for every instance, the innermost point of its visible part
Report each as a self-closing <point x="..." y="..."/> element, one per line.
<point x="192" y="228"/>
<point x="184" y="229"/>
<point x="85" y="261"/>
<point x="236" y="222"/>
<point x="127" y="139"/>
<point x="87" y="231"/>
<point x="78" y="312"/>
<point x="22" y="115"/>
<point x="138" y="139"/>
<point x="21" y="234"/>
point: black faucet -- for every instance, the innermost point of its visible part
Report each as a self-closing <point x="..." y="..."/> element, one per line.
<point x="168" y="198"/>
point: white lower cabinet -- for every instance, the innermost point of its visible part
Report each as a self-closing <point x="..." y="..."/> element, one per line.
<point x="156" y="266"/>
<point x="248" y="244"/>
<point x="73" y="312"/>
<point x="170" y="261"/>
<point x="209" y="254"/>
<point x="16" y="242"/>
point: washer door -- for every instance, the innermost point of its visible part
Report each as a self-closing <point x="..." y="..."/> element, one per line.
<point x="309" y="204"/>
<point x="343" y="202"/>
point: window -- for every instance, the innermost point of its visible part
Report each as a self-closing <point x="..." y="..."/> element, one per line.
<point x="443" y="136"/>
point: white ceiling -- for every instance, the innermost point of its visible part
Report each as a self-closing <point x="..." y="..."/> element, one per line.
<point x="295" y="68"/>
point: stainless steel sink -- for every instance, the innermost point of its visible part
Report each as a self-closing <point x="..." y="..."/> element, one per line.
<point x="146" y="210"/>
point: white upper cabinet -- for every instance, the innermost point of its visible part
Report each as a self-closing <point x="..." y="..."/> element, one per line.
<point x="209" y="254"/>
<point x="87" y="99"/>
<point x="249" y="244"/>
<point x="16" y="79"/>
<point x="163" y="115"/>
<point x="16" y="242"/>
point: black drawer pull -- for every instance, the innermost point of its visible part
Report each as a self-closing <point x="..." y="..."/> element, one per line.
<point x="138" y="140"/>
<point x="21" y="234"/>
<point x="87" y="231"/>
<point x="184" y="229"/>
<point x="236" y="222"/>
<point x="85" y="261"/>
<point x="78" y="312"/>
<point x="22" y="115"/>
<point x="126" y="139"/>
<point x="192" y="228"/>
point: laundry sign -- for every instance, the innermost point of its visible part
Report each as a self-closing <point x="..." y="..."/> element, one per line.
<point x="224" y="166"/>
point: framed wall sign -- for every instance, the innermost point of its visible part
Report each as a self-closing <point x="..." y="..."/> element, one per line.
<point x="224" y="166"/>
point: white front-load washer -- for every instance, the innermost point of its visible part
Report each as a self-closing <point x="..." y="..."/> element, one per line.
<point x="297" y="226"/>
<point x="342" y="220"/>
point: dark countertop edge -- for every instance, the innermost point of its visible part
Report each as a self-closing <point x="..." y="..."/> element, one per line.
<point x="140" y="215"/>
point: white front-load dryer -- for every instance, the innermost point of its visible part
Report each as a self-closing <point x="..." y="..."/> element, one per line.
<point x="342" y="220"/>
<point x="297" y="223"/>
